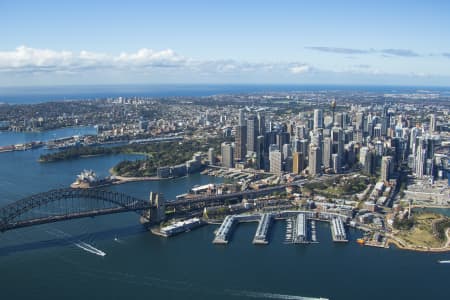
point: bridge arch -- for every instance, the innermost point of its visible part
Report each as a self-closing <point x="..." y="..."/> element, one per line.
<point x="14" y="215"/>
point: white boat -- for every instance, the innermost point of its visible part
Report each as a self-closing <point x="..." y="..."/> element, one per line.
<point x="444" y="261"/>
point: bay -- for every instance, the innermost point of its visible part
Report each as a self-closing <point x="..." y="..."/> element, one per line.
<point x="46" y="263"/>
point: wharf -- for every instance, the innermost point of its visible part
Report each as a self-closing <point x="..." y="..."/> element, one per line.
<point x="263" y="229"/>
<point x="338" y="230"/>
<point x="224" y="232"/>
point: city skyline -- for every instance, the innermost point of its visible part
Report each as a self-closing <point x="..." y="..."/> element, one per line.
<point x="293" y="42"/>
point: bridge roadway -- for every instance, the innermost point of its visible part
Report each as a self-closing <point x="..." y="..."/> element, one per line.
<point x="219" y="198"/>
<point x="12" y="216"/>
<point x="57" y="218"/>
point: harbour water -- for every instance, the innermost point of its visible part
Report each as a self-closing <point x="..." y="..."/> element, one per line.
<point x="12" y="138"/>
<point x="45" y="262"/>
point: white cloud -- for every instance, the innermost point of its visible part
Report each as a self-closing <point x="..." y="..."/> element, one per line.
<point x="300" y="69"/>
<point x="146" y="65"/>
<point x="31" y="60"/>
<point x="44" y="60"/>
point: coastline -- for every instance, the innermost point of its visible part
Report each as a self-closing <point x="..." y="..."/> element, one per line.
<point x="399" y="243"/>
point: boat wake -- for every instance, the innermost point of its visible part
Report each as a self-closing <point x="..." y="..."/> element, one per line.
<point x="444" y="261"/>
<point x="261" y="295"/>
<point x="82" y="245"/>
<point x="90" y="248"/>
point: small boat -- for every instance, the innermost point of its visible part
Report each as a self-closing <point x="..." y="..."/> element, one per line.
<point x="360" y="241"/>
<point x="444" y="261"/>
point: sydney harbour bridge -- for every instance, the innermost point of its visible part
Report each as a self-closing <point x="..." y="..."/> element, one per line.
<point x="67" y="204"/>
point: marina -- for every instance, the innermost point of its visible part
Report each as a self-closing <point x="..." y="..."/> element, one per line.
<point x="300" y="227"/>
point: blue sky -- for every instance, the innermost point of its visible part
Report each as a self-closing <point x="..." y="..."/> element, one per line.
<point x="339" y="42"/>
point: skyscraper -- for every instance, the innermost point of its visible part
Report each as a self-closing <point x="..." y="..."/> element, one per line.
<point x="260" y="152"/>
<point x="211" y="156"/>
<point x="318" y="119"/>
<point x="336" y="163"/>
<point x="386" y="168"/>
<point x="326" y="152"/>
<point x="282" y="138"/>
<point x="252" y="133"/>
<point x="421" y="157"/>
<point x="337" y="139"/>
<point x="240" y="143"/>
<point x="298" y="162"/>
<point x="359" y="123"/>
<point x="314" y="160"/>
<point x="261" y="124"/>
<point x="385" y="120"/>
<point x="276" y="160"/>
<point x="300" y="132"/>
<point x="433" y="123"/>
<point x="241" y="117"/>
<point x="287" y="150"/>
<point x="227" y="155"/>
<point x="366" y="158"/>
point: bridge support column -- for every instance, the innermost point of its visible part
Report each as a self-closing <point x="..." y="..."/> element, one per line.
<point x="157" y="212"/>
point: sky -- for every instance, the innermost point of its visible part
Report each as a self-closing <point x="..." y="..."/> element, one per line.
<point x="195" y="42"/>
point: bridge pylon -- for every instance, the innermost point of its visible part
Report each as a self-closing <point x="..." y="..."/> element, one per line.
<point x="157" y="212"/>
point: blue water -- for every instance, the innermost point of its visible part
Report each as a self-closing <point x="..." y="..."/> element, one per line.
<point x="11" y="138"/>
<point x="37" y="263"/>
<point x="20" y="95"/>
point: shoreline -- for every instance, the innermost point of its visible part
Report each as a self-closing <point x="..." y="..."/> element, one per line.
<point x="401" y="244"/>
<point x="123" y="179"/>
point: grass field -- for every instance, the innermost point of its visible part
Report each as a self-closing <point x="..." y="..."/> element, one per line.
<point x="421" y="234"/>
